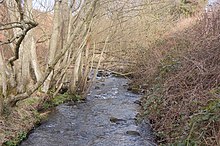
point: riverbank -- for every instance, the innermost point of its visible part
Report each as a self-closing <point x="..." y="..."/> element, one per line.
<point x="26" y="115"/>
<point x="16" y="123"/>
<point x="181" y="80"/>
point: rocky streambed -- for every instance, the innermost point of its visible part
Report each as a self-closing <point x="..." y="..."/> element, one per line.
<point x="107" y="118"/>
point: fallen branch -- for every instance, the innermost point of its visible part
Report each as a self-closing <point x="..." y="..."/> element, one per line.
<point x="121" y="74"/>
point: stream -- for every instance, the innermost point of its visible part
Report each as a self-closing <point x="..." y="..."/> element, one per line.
<point x="107" y="118"/>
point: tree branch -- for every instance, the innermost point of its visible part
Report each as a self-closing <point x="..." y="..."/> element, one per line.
<point x="26" y="26"/>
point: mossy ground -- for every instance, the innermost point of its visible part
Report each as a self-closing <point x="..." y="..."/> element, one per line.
<point x="59" y="99"/>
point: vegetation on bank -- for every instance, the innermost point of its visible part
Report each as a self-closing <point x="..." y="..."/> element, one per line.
<point x="182" y="83"/>
<point x="28" y="114"/>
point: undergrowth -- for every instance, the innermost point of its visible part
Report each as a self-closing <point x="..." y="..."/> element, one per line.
<point x="182" y="74"/>
<point x="14" y="142"/>
<point x="59" y="99"/>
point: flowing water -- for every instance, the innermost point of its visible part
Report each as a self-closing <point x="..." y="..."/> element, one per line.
<point x="107" y="118"/>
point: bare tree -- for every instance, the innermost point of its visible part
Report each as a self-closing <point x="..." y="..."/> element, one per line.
<point x="53" y="41"/>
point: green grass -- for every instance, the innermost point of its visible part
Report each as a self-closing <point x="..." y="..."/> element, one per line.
<point x="14" y="142"/>
<point x="60" y="99"/>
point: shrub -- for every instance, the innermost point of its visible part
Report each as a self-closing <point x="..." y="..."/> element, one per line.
<point x="183" y="99"/>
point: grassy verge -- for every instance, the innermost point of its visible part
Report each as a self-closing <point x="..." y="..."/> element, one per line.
<point x="60" y="99"/>
<point x="16" y="123"/>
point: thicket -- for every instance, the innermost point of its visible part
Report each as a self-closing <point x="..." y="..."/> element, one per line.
<point x="181" y="78"/>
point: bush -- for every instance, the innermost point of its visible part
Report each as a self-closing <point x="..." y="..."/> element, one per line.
<point x="183" y="96"/>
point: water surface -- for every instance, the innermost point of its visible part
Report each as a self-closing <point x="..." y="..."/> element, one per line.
<point x="107" y="118"/>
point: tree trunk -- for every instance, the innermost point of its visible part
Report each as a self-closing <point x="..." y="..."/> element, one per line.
<point x="86" y="71"/>
<point x="24" y="54"/>
<point x="53" y="43"/>
<point x="27" y="55"/>
<point x="69" y="28"/>
<point x="32" y="45"/>
<point x="75" y="75"/>
<point x="3" y="82"/>
<point x="3" y="75"/>
<point x="34" y="61"/>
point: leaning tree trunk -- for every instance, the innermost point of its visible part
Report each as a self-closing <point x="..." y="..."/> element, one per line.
<point x="67" y="27"/>
<point x="75" y="75"/>
<point x="87" y="65"/>
<point x="24" y="56"/>
<point x="3" y="82"/>
<point x="3" y="75"/>
<point x="32" y="43"/>
<point x="34" y="61"/>
<point x="28" y="55"/>
<point x="53" y="43"/>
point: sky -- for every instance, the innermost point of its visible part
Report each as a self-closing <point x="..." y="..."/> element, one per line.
<point x="211" y="2"/>
<point x="47" y="5"/>
<point x="43" y="5"/>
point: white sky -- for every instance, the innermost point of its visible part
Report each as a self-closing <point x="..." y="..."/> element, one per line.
<point x="47" y="5"/>
<point x="43" y="5"/>
<point x="211" y="2"/>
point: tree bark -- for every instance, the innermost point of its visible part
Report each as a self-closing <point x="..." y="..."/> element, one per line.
<point x="32" y="45"/>
<point x="24" y="56"/>
<point x="53" y="42"/>
<point x="75" y="76"/>
<point x="3" y="75"/>
<point x="28" y="53"/>
<point x="3" y="82"/>
<point x="34" y="61"/>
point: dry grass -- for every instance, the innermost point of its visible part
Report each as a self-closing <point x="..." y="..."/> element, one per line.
<point x="182" y="73"/>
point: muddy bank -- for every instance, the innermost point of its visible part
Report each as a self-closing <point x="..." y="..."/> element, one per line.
<point x="107" y="118"/>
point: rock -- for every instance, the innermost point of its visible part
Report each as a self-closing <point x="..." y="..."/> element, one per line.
<point x="97" y="87"/>
<point x="129" y="88"/>
<point x="71" y="104"/>
<point x="133" y="133"/>
<point x="116" y="120"/>
<point x="125" y="85"/>
<point x="137" y="102"/>
<point x="103" y="73"/>
<point x="135" y="90"/>
<point x="100" y="73"/>
<point x="63" y="90"/>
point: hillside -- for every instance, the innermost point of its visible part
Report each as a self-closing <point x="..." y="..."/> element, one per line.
<point x="182" y="83"/>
